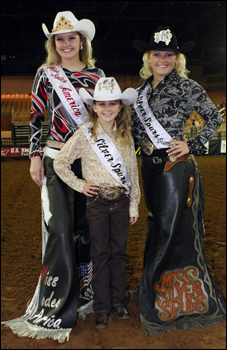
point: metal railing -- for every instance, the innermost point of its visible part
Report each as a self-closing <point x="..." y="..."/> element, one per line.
<point x="17" y="142"/>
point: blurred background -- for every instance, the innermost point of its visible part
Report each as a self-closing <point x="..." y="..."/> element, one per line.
<point x="117" y="24"/>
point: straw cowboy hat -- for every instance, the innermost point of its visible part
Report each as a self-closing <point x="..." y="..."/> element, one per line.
<point x="107" y="89"/>
<point x="66" y="22"/>
<point x="162" y="40"/>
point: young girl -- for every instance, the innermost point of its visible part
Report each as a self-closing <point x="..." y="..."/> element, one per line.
<point x="111" y="186"/>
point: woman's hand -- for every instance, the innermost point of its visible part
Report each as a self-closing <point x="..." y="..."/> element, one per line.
<point x="90" y="189"/>
<point x="178" y="149"/>
<point x="133" y="220"/>
<point x="37" y="170"/>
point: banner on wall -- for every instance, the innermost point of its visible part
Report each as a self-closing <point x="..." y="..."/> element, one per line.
<point x="17" y="152"/>
<point x="223" y="146"/>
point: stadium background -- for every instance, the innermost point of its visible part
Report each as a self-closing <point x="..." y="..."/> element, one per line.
<point x="118" y="23"/>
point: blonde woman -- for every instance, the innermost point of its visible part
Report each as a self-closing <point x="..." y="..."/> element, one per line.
<point x="111" y="186"/>
<point x="64" y="287"/>
<point x="177" y="290"/>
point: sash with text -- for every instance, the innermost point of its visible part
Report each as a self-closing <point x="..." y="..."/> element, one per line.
<point x="157" y="134"/>
<point x="67" y="94"/>
<point x="110" y="157"/>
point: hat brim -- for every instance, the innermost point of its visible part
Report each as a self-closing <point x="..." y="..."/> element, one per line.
<point x="85" y="96"/>
<point x="187" y="47"/>
<point x="84" y="26"/>
<point x="141" y="47"/>
<point x="128" y="97"/>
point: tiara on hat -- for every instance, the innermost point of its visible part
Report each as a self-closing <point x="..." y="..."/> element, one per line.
<point x="63" y="23"/>
<point x="162" y="40"/>
<point x="66" y="22"/>
<point x="107" y="84"/>
<point x="107" y="89"/>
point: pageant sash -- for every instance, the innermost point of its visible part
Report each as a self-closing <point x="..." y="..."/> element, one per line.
<point x="110" y="157"/>
<point x="157" y="134"/>
<point x="67" y="93"/>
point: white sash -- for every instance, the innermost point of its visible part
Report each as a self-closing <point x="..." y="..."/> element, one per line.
<point x="67" y="93"/>
<point x="110" y="156"/>
<point x="157" y="134"/>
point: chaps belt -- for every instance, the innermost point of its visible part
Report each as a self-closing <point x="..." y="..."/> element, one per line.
<point x="159" y="160"/>
<point x="111" y="193"/>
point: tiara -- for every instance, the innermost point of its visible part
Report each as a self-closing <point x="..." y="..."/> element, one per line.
<point x="107" y="84"/>
<point x="63" y="23"/>
<point x="163" y="35"/>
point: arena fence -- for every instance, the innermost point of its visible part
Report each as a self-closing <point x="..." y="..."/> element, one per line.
<point x="19" y="148"/>
<point x="15" y="117"/>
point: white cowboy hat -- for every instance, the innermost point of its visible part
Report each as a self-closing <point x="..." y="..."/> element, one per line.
<point x="107" y="89"/>
<point x="66" y="22"/>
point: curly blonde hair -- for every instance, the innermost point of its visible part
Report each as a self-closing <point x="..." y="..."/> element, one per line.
<point x="123" y="131"/>
<point x="146" y="70"/>
<point x="53" y="58"/>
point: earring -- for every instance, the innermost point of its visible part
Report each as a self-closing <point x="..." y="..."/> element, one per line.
<point x="149" y="61"/>
<point x="81" y="47"/>
<point x="176" y="62"/>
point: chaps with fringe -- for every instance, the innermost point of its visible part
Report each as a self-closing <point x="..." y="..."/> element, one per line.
<point x="177" y="289"/>
<point x="64" y="289"/>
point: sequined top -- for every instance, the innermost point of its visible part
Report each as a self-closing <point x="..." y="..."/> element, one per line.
<point x="172" y="103"/>
<point x="61" y="126"/>
<point x="93" y="169"/>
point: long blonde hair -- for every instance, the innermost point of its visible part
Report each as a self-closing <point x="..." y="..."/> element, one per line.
<point x="123" y="132"/>
<point x="53" y="58"/>
<point x="146" y="70"/>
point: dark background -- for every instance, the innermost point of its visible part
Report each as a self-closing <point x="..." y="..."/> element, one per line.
<point x="117" y="23"/>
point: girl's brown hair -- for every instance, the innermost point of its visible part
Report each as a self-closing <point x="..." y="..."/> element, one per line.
<point x="123" y="132"/>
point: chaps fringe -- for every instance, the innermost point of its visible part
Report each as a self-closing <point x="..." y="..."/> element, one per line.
<point x="25" y="329"/>
<point x="154" y="329"/>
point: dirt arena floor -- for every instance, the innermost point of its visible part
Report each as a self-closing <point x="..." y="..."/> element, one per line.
<point x="21" y="266"/>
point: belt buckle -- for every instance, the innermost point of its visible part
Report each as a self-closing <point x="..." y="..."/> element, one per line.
<point x="147" y="147"/>
<point x="110" y="193"/>
<point x="156" y="160"/>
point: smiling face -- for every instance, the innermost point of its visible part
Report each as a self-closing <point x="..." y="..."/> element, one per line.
<point x="107" y="112"/>
<point x="162" y="63"/>
<point x="68" y="45"/>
